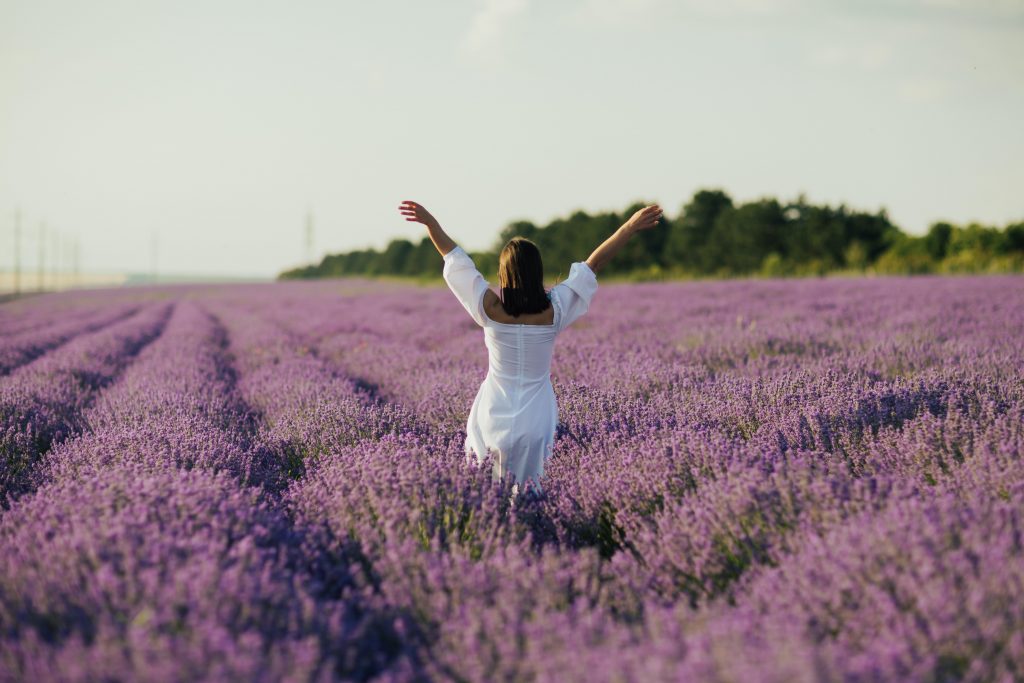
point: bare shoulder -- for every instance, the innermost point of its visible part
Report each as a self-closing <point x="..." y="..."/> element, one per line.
<point x="492" y="305"/>
<point x="496" y="312"/>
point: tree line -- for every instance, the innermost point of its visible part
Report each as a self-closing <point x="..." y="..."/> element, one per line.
<point x="715" y="237"/>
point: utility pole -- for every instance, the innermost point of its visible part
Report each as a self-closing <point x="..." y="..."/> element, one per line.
<point x="42" y="256"/>
<point x="55" y="247"/>
<point x="309" y="236"/>
<point x="76" y="261"/>
<point x="154" y="253"/>
<point x="17" y="251"/>
<point x="68" y="257"/>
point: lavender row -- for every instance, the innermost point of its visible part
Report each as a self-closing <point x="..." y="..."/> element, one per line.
<point x="306" y="407"/>
<point x="137" y="572"/>
<point x="37" y="312"/>
<point x="17" y="349"/>
<point x="175" y="407"/>
<point x="43" y="403"/>
<point x="171" y="565"/>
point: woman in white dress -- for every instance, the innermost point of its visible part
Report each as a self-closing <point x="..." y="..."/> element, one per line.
<point x="514" y="414"/>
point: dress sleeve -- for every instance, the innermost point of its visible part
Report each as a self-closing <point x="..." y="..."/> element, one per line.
<point x="466" y="282"/>
<point x="574" y="293"/>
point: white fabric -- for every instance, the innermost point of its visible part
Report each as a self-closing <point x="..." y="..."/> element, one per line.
<point x="514" y="413"/>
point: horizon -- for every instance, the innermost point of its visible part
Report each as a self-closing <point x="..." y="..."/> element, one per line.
<point x="203" y="137"/>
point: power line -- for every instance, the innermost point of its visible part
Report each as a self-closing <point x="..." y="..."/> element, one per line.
<point x="76" y="261"/>
<point x="309" y="235"/>
<point x="41" y="281"/>
<point x="17" y="251"/>
<point x="154" y="254"/>
<point x="55" y="264"/>
<point x="69" y="247"/>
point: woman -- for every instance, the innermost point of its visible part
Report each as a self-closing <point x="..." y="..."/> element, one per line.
<point x="514" y="414"/>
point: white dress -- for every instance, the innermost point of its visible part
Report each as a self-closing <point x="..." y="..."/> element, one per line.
<point x="514" y="413"/>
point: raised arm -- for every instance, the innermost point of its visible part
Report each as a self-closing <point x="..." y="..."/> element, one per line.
<point x="465" y="281"/>
<point x="416" y="213"/>
<point x="644" y="219"/>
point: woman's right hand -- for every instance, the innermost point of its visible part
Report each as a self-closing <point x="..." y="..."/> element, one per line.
<point x="644" y="219"/>
<point x="417" y="213"/>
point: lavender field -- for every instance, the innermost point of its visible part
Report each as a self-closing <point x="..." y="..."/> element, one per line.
<point x="809" y="480"/>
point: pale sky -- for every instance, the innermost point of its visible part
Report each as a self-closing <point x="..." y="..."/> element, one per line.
<point x="216" y="125"/>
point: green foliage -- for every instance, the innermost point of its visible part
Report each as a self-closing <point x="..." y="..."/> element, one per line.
<point x="937" y="240"/>
<point x="689" y="234"/>
<point x="714" y="237"/>
<point x="907" y="255"/>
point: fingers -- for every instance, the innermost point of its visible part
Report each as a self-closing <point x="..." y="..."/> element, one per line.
<point x="415" y="213"/>
<point x="651" y="210"/>
<point x="648" y="217"/>
<point x="410" y="208"/>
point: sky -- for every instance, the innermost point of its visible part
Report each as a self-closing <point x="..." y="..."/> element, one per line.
<point x="202" y="134"/>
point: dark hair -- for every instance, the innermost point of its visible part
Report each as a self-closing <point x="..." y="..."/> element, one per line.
<point x="521" y="278"/>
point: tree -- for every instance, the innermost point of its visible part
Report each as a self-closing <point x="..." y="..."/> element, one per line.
<point x="1013" y="238"/>
<point x="714" y="236"/>
<point x="516" y="229"/>
<point x="936" y="242"/>
<point x="395" y="257"/>
<point x="689" y="234"/>
<point x="742" y="237"/>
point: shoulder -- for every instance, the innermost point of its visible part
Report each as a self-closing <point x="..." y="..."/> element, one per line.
<point x="581" y="279"/>
<point x="457" y="257"/>
<point x="582" y="269"/>
<point x="492" y="305"/>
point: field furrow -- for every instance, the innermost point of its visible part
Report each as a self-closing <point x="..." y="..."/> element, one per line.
<point x="160" y="572"/>
<point x="19" y="349"/>
<point x="44" y="402"/>
<point x="176" y="406"/>
<point x="306" y="407"/>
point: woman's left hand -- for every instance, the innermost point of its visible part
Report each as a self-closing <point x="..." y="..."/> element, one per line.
<point x="416" y="213"/>
<point x="644" y="219"/>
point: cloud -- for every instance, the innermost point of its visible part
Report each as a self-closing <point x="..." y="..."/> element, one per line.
<point x="490" y="24"/>
<point x="734" y="8"/>
<point x="612" y="11"/>
<point x="924" y="90"/>
<point x="1006" y="7"/>
<point x="616" y="11"/>
<point x="868" y="57"/>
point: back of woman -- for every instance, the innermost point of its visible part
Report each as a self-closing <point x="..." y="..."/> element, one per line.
<point x="519" y="352"/>
<point x="519" y="349"/>
<point x="514" y="414"/>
